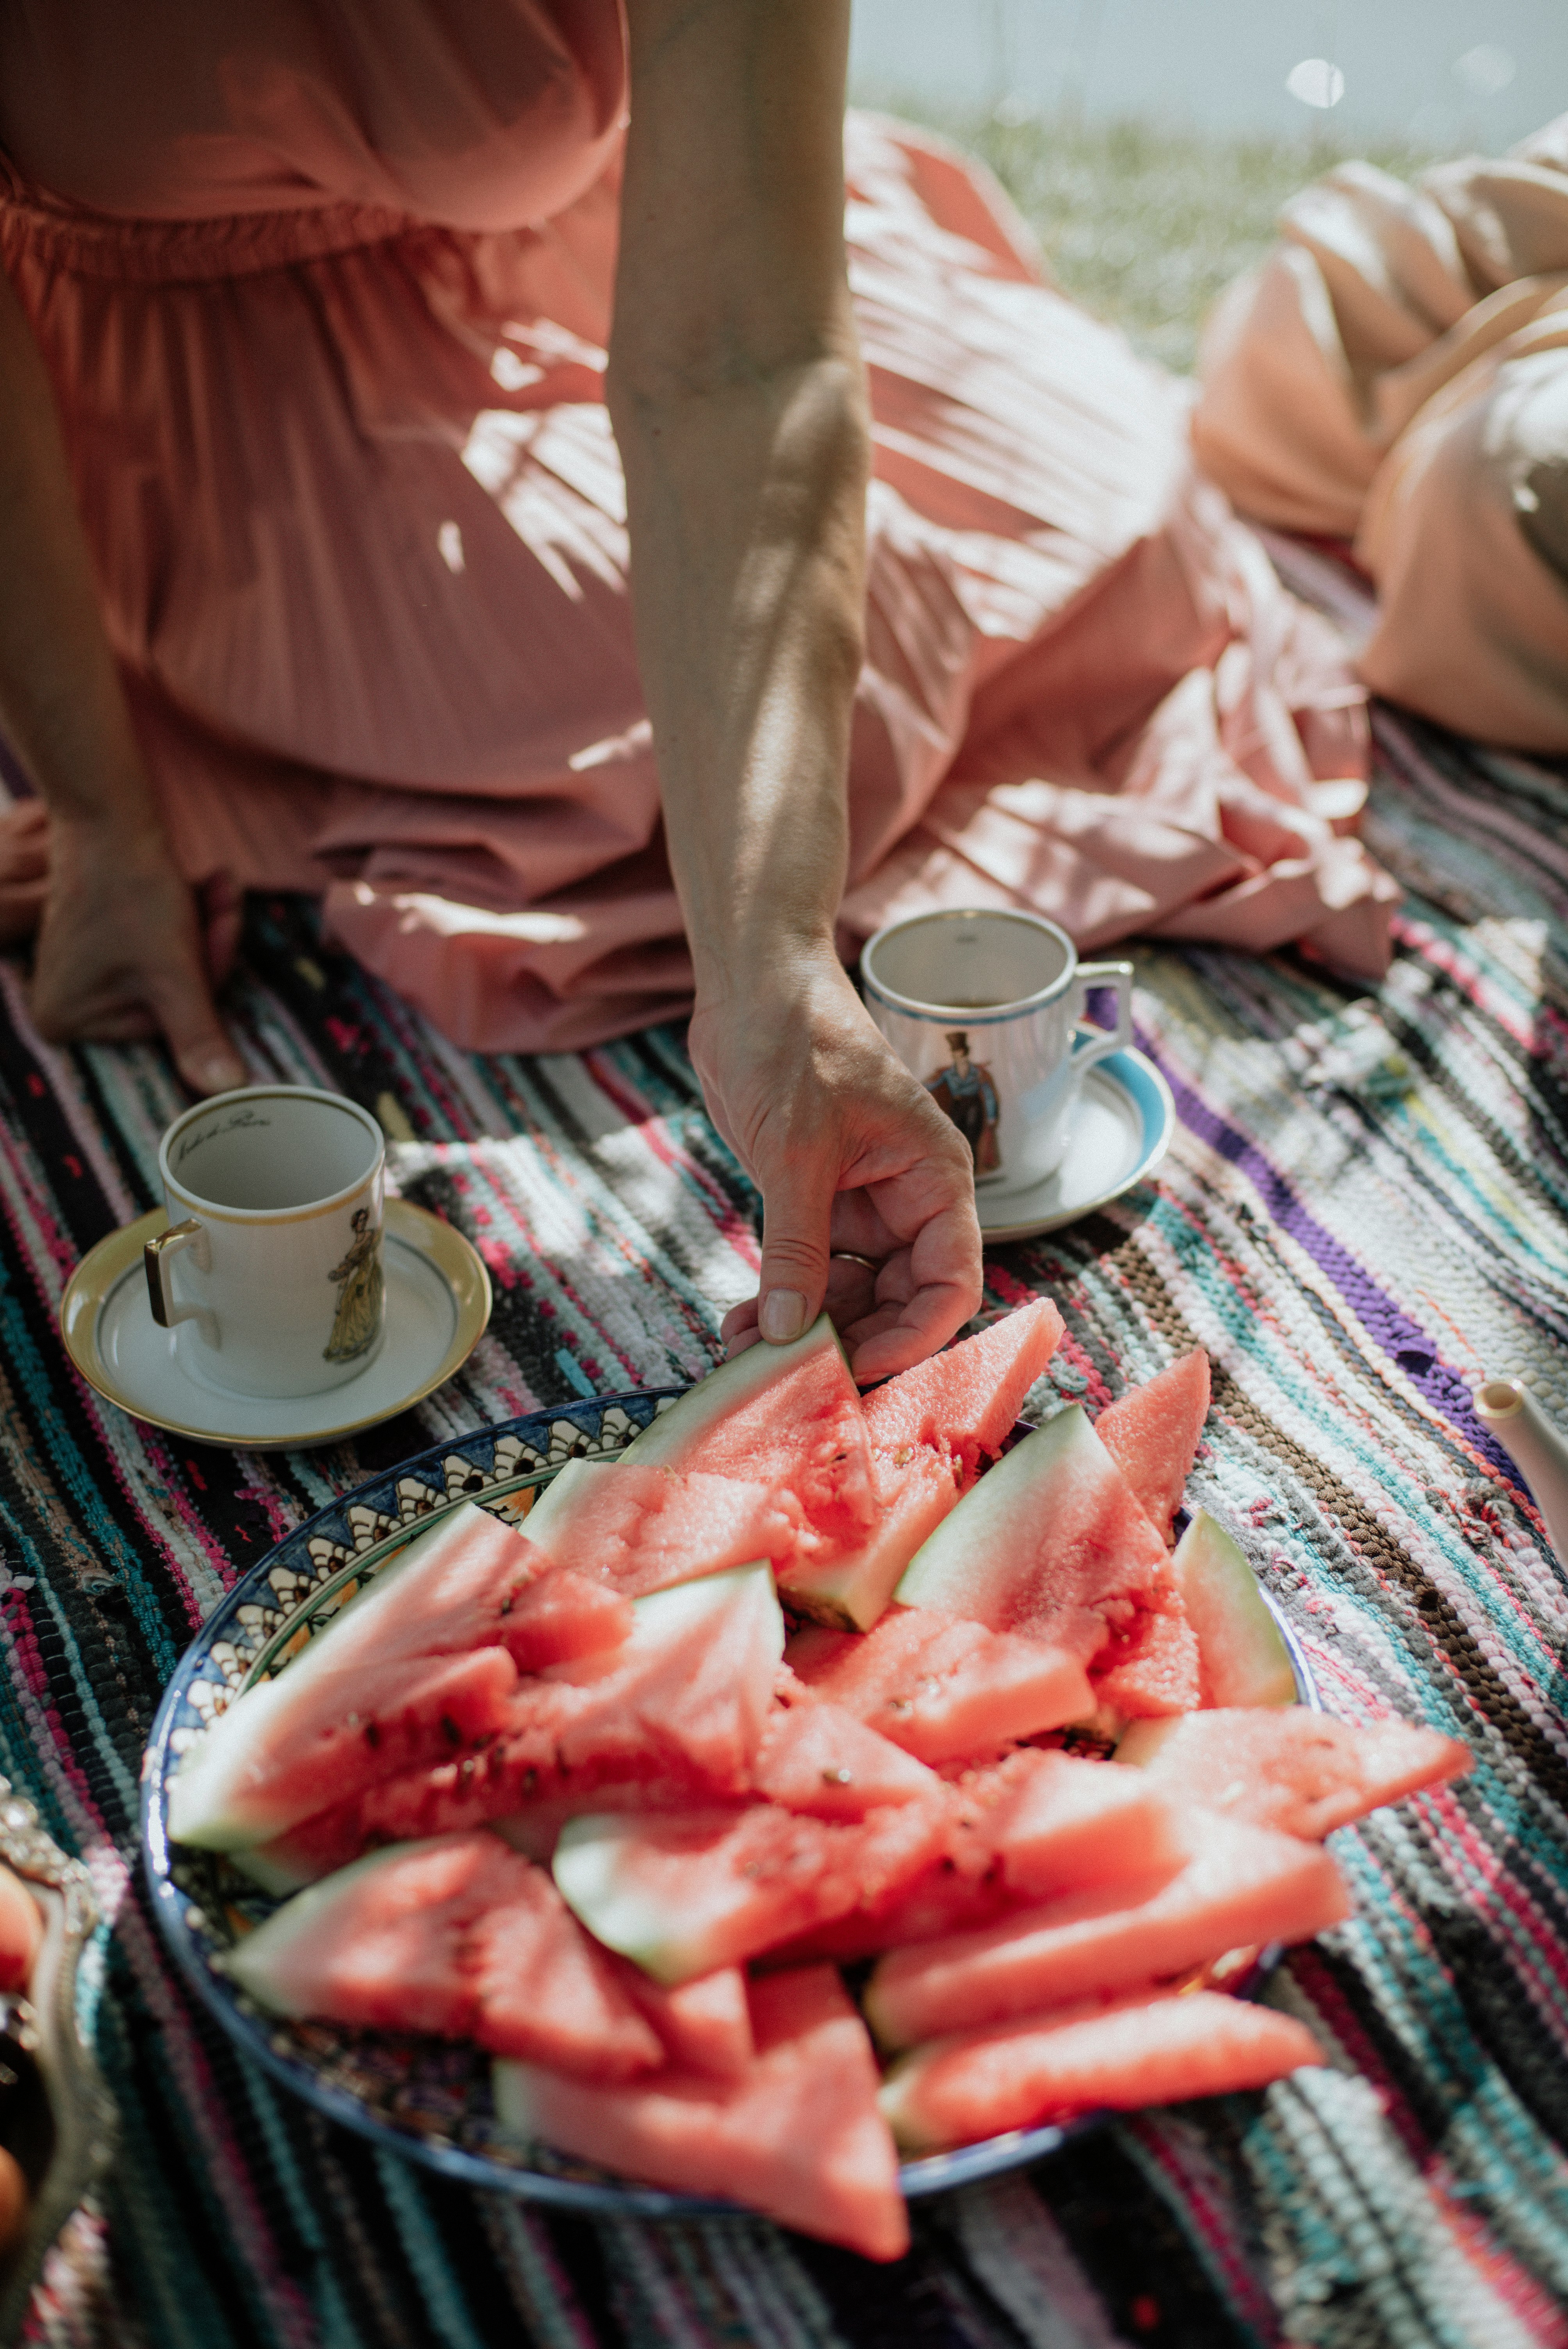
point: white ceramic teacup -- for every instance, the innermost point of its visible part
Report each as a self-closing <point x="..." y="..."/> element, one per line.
<point x="983" y="1007"/>
<point x="271" y="1269"/>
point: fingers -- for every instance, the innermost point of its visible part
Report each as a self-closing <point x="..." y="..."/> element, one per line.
<point x="222" y="918"/>
<point x="182" y="1003"/>
<point x="796" y="1205"/>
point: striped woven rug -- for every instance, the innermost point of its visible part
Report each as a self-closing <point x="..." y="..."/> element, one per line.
<point x="1362" y="1211"/>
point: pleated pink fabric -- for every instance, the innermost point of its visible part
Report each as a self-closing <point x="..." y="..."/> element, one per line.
<point x="1396" y="372"/>
<point x="325" y="306"/>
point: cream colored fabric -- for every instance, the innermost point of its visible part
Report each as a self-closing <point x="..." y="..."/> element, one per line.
<point x="1396" y="372"/>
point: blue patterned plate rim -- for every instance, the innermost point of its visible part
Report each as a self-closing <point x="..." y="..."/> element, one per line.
<point x="288" y="1579"/>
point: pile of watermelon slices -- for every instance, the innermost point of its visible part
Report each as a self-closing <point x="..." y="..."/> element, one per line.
<point x="806" y="1681"/>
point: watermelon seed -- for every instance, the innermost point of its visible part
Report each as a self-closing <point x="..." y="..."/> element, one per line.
<point x="372" y="1735"/>
<point x="452" y="1733"/>
<point x="838" y="1778"/>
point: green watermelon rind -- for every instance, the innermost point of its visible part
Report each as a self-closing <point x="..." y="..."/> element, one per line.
<point x="673" y="1439"/>
<point x="251" y="1964"/>
<point x="204" y="1810"/>
<point x="964" y="1569"/>
<point x="1222" y="1601"/>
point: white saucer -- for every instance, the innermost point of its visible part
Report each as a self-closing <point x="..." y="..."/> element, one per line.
<point x="1121" y="1130"/>
<point x="438" y="1303"/>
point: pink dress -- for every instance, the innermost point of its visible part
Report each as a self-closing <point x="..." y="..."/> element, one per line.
<point x="324" y="289"/>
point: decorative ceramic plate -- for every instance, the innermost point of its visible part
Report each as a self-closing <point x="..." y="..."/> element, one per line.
<point x="426" y="2097"/>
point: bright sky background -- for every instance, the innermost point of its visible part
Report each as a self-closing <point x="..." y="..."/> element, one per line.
<point x="1444" y="73"/>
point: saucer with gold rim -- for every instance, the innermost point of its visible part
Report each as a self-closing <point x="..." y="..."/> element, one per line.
<point x="438" y="1304"/>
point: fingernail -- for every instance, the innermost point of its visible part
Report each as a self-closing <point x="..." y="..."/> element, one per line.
<point x="783" y="1316"/>
<point x="218" y="1072"/>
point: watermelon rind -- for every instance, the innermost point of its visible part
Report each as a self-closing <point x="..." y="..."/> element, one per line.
<point x="1242" y="1657"/>
<point x="590" y="1878"/>
<point x="553" y="1512"/>
<point x="206" y="1796"/>
<point x="675" y="1437"/>
<point x="257" y="1961"/>
<point x="970" y="1565"/>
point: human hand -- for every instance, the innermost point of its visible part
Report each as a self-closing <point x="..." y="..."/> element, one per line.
<point x="125" y="952"/>
<point x="850" y="1152"/>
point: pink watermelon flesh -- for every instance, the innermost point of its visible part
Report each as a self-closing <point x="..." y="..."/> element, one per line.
<point x="1151" y="1433"/>
<point x="1072" y="1824"/>
<point x="966" y="1400"/>
<point x="460" y="1937"/>
<point x="1033" y="1825"/>
<point x="940" y="1687"/>
<point x="818" y="1758"/>
<point x="1146" y="2051"/>
<point x="798" y="2136"/>
<point x="641" y="1529"/>
<point x="705" y="2025"/>
<point x="452" y="1588"/>
<point x="1151" y="1667"/>
<point x="359" y="1727"/>
<point x="1244" y="1886"/>
<point x="563" y="1617"/>
<point x="415" y="1664"/>
<point x="1050" y="1544"/>
<point x="1302" y="1773"/>
<point x="915" y="1488"/>
<point x="681" y="1710"/>
<point x="792" y="1426"/>
<point x="681" y="1895"/>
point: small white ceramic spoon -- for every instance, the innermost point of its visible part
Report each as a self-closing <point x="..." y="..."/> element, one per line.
<point x="1537" y="1443"/>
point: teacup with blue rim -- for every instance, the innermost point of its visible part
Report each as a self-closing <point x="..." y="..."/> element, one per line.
<point x="984" y="1008"/>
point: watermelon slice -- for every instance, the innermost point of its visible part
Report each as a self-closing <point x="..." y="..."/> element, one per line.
<point x="1300" y="1772"/>
<point x="705" y="2025"/>
<point x="267" y="1763"/>
<point x="798" y="2137"/>
<point x="818" y="1758"/>
<point x="942" y="1689"/>
<point x="683" y="1894"/>
<point x="418" y="1661"/>
<point x="1241" y="1659"/>
<point x="1151" y="1667"/>
<point x="1070" y="1824"/>
<point x="914" y="1489"/>
<point x="1243" y="1887"/>
<point x="1051" y="1544"/>
<point x="787" y="1417"/>
<point x="966" y="1400"/>
<point x="1145" y="2051"/>
<point x="1151" y="1433"/>
<point x="680" y="1710"/>
<point x="641" y="1529"/>
<point x="460" y="1937"/>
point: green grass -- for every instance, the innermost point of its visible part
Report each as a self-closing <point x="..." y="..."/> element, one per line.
<point x="1144" y="225"/>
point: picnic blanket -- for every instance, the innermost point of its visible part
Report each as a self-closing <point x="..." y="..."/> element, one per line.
<point x="1363" y="1211"/>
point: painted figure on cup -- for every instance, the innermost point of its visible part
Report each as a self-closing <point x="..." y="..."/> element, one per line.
<point x="965" y="1093"/>
<point x="358" y="1322"/>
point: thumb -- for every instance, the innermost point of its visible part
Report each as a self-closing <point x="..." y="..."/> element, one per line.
<point x="182" y="1003"/>
<point x="796" y="1208"/>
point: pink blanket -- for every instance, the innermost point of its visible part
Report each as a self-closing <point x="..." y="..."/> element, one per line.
<point x="339" y="435"/>
<point x="1396" y="372"/>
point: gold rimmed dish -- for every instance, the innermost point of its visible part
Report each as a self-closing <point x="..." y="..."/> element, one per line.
<point x="438" y="1307"/>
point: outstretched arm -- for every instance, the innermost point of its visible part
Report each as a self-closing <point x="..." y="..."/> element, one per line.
<point x="738" y="402"/>
<point x="119" y="948"/>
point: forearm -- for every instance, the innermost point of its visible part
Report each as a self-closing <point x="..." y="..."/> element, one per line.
<point x="747" y="509"/>
<point x="60" y="699"/>
<point x="739" y="403"/>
